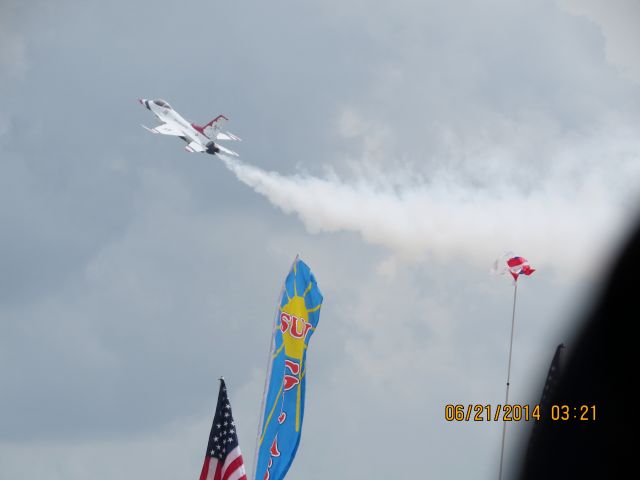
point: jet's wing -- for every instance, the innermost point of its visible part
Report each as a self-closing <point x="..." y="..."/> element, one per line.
<point x="227" y="136"/>
<point x="165" y="129"/>
<point x="195" y="147"/>
<point x="226" y="150"/>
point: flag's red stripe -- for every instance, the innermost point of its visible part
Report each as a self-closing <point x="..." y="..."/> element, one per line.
<point x="205" y="468"/>
<point x="218" y="474"/>
<point x="233" y="466"/>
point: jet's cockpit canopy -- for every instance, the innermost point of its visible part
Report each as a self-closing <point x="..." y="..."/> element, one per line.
<point x="162" y="103"/>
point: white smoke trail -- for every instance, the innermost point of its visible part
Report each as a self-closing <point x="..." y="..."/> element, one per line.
<point x="564" y="221"/>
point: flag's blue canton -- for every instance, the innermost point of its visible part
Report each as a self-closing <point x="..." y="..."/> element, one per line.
<point x="223" y="437"/>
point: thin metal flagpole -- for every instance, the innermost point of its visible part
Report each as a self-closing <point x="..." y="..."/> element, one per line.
<point x="268" y="376"/>
<point x="506" y="400"/>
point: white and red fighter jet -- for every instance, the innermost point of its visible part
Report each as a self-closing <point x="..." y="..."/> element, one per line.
<point x="199" y="138"/>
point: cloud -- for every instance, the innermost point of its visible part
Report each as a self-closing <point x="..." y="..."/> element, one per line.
<point x="618" y="21"/>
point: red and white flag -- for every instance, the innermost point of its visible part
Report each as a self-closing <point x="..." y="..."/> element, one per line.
<point x="513" y="264"/>
<point x="223" y="460"/>
<point x="518" y="266"/>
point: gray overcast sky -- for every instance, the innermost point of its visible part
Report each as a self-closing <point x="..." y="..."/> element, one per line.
<point x="399" y="147"/>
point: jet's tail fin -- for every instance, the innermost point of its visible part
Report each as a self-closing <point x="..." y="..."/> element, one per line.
<point x="214" y="126"/>
<point x="213" y="129"/>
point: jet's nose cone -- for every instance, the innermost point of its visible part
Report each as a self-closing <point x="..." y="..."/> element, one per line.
<point x="144" y="102"/>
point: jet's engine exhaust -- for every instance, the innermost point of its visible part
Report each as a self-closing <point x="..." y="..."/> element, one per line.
<point x="212" y="148"/>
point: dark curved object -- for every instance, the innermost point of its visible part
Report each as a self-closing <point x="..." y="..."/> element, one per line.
<point x="597" y="372"/>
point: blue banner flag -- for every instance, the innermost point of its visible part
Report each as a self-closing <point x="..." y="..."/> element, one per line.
<point x="283" y="405"/>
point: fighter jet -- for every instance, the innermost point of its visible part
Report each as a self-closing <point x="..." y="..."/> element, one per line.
<point x="199" y="138"/>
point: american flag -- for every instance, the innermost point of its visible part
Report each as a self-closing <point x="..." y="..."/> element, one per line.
<point x="223" y="460"/>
